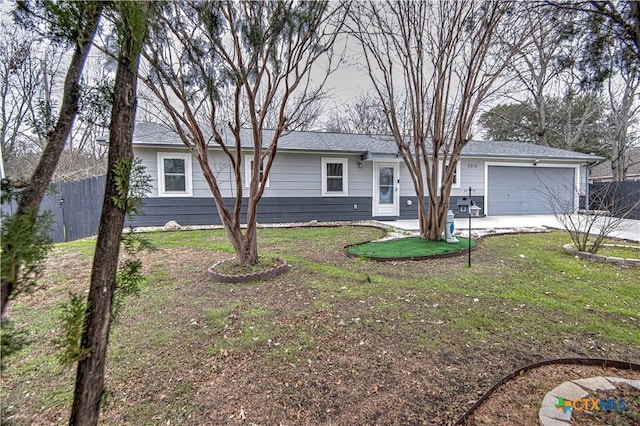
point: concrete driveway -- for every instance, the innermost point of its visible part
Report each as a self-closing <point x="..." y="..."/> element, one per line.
<point x="629" y="229"/>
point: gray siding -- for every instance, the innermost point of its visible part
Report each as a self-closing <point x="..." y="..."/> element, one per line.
<point x="299" y="176"/>
<point x="292" y="174"/>
<point x="202" y="211"/>
<point x="471" y="175"/>
<point x="219" y="165"/>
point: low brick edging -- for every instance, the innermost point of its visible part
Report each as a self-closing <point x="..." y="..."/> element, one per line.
<point x="620" y="261"/>
<point x="234" y="279"/>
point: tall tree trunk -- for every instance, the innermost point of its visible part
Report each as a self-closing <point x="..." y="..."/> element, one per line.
<point x="95" y="338"/>
<point x="541" y="125"/>
<point x="29" y="202"/>
<point x="33" y="193"/>
<point x="250" y="255"/>
<point x="618" y="170"/>
<point x="422" y="216"/>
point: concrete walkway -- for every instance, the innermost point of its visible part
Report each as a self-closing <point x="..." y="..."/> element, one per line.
<point x="629" y="229"/>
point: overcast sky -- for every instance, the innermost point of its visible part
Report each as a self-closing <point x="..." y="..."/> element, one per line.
<point x="343" y="87"/>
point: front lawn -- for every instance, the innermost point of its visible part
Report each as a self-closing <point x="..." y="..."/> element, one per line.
<point x="336" y="340"/>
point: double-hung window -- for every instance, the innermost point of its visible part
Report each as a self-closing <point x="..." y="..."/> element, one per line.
<point x="456" y="175"/>
<point x="174" y="174"/>
<point x="248" y="168"/>
<point x="335" y="177"/>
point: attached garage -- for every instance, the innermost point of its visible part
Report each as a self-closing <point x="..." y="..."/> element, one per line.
<point x="513" y="190"/>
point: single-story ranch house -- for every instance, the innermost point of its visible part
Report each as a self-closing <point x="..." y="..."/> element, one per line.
<point x="332" y="176"/>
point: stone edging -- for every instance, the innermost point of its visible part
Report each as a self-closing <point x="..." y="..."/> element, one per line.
<point x="551" y="415"/>
<point x="629" y="262"/>
<point x="234" y="279"/>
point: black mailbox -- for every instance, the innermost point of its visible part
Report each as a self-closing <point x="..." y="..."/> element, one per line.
<point x="464" y="204"/>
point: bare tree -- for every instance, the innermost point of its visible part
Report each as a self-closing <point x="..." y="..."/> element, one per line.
<point x="567" y="115"/>
<point x="438" y="61"/>
<point x="75" y="23"/>
<point x="87" y="15"/>
<point x="228" y="65"/>
<point x="30" y="77"/>
<point x="535" y="65"/>
<point x="30" y="67"/>
<point x="19" y="80"/>
<point x="605" y="214"/>
<point x="364" y="116"/>
<point x="622" y="93"/>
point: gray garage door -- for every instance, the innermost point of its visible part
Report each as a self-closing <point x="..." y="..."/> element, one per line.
<point x="530" y="190"/>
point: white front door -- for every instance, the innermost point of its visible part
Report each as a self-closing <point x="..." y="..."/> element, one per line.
<point x="386" y="186"/>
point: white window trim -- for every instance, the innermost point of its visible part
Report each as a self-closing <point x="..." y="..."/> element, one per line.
<point x="345" y="177"/>
<point x="458" y="176"/>
<point x="247" y="171"/>
<point x="188" y="178"/>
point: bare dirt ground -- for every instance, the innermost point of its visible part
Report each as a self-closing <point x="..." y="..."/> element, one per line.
<point x="300" y="350"/>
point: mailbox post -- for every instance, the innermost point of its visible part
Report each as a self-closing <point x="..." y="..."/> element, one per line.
<point x="470" y="204"/>
<point x="466" y="205"/>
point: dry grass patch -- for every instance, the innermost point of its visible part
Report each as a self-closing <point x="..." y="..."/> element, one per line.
<point x="336" y="340"/>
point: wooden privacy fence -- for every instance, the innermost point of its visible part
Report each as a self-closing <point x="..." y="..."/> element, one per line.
<point x="75" y="208"/>
<point x="621" y="199"/>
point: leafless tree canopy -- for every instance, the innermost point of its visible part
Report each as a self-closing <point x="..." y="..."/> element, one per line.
<point x="624" y="109"/>
<point x="31" y="77"/>
<point x="364" y="116"/>
<point x="218" y="67"/>
<point x="577" y="74"/>
<point x="436" y="61"/>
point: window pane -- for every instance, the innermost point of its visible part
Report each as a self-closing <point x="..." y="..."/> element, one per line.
<point x="175" y="183"/>
<point x="386" y="176"/>
<point x="386" y="194"/>
<point x="334" y="169"/>
<point x="455" y="174"/>
<point x="385" y="185"/>
<point x="334" y="184"/>
<point x="261" y="171"/>
<point x="174" y="165"/>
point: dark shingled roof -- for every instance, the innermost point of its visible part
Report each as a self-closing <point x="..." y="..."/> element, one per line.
<point x="603" y="170"/>
<point x="153" y="134"/>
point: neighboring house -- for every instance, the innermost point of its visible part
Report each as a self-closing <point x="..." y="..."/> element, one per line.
<point x="332" y="176"/>
<point x="601" y="172"/>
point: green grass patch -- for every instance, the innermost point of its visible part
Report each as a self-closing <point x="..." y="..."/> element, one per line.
<point x="408" y="247"/>
<point x="620" y="251"/>
<point x="204" y="239"/>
